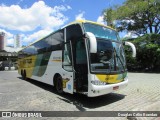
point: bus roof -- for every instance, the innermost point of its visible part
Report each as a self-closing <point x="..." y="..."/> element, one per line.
<point x="88" y="21"/>
<point x="74" y="22"/>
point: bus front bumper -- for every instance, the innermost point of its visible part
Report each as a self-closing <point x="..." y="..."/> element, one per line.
<point x="96" y="90"/>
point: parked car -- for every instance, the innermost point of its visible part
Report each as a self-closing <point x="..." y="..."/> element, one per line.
<point x="7" y="65"/>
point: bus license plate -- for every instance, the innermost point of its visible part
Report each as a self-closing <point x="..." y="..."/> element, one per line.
<point x="115" y="88"/>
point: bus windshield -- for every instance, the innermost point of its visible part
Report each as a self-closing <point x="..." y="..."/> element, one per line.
<point x="110" y="56"/>
<point x="101" y="31"/>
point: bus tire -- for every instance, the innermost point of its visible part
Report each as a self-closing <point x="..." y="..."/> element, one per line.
<point x="24" y="75"/>
<point x="59" y="84"/>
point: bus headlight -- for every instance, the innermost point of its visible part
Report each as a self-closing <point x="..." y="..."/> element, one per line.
<point x="95" y="82"/>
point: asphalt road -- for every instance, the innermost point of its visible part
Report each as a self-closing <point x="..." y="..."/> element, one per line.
<point x="142" y="94"/>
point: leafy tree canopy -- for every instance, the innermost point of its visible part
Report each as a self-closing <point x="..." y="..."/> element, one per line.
<point x="139" y="16"/>
<point x="148" y="53"/>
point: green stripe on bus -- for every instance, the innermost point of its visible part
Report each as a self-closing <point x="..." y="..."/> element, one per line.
<point x="41" y="64"/>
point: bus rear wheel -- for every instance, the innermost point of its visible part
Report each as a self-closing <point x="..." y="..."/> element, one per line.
<point x="59" y="85"/>
<point x="24" y="75"/>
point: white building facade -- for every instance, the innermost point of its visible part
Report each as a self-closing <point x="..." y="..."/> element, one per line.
<point x="17" y="42"/>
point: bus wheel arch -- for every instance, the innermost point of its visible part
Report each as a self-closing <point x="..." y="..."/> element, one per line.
<point x="58" y="83"/>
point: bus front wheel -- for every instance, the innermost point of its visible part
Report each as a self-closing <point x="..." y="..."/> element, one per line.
<point x="59" y="85"/>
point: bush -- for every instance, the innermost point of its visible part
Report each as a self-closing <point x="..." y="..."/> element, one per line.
<point x="148" y="54"/>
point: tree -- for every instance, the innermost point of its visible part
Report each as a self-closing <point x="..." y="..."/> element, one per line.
<point x="148" y="53"/>
<point x="109" y="17"/>
<point x="138" y="16"/>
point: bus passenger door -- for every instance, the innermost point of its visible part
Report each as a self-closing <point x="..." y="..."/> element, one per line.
<point x="67" y="63"/>
<point x="80" y="65"/>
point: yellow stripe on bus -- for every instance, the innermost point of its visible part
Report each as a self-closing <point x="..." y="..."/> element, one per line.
<point x="109" y="78"/>
<point x="57" y="60"/>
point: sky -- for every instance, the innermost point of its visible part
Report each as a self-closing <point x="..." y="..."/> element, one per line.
<point x="34" y="19"/>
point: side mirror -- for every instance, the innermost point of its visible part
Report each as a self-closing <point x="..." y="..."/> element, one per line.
<point x="92" y="41"/>
<point x="133" y="48"/>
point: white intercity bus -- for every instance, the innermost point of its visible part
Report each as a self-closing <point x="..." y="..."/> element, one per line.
<point x="83" y="57"/>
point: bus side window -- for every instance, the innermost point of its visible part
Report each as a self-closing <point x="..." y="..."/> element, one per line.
<point x="67" y="57"/>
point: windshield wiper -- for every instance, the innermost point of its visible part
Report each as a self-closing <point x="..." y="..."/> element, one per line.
<point x="120" y="60"/>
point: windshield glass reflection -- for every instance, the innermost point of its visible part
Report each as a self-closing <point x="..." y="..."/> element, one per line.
<point x="101" y="31"/>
